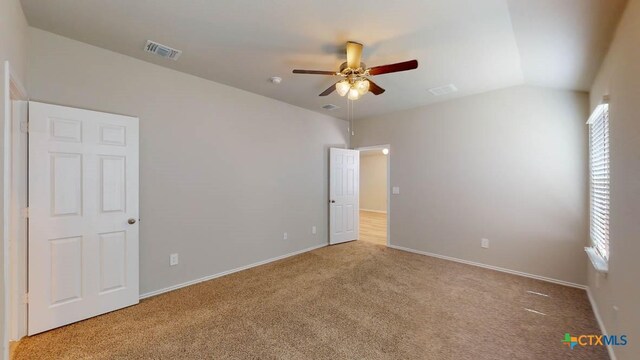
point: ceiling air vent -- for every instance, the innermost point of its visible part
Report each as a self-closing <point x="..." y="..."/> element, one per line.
<point x="330" y="107"/>
<point x="443" y="90"/>
<point x="162" y="50"/>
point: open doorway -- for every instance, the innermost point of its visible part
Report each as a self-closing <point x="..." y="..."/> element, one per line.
<point x="374" y="194"/>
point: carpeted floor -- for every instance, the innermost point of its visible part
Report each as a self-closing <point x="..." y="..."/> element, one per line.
<point x="351" y="301"/>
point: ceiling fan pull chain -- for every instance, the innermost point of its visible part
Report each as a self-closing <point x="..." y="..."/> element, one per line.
<point x="349" y="115"/>
<point x="353" y="132"/>
<point x="348" y="118"/>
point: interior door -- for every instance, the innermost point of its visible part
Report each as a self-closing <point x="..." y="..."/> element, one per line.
<point x="344" y="189"/>
<point x="83" y="214"/>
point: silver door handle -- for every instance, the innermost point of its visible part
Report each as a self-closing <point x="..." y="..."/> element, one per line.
<point x="131" y="221"/>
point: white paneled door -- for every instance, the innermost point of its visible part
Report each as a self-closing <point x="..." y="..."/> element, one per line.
<point x="344" y="189"/>
<point x="83" y="214"/>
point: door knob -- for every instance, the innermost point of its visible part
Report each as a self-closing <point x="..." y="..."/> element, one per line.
<point x="333" y="201"/>
<point x="131" y="221"/>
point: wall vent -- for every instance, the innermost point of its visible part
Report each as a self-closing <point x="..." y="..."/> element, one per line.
<point x="162" y="50"/>
<point x="330" y="107"/>
<point x="443" y="90"/>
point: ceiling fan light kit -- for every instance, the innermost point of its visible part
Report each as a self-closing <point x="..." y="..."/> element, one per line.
<point x="362" y="86"/>
<point x="353" y="94"/>
<point x="342" y="87"/>
<point x="356" y="75"/>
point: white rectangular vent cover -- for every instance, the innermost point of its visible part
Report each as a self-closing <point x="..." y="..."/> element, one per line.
<point x="443" y="90"/>
<point x="162" y="50"/>
<point x="330" y="107"/>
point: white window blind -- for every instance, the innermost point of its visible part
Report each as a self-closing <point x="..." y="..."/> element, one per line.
<point x="599" y="179"/>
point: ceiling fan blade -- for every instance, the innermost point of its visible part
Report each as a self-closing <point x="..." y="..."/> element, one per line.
<point x="314" y="72"/>
<point x="329" y="90"/>
<point x="354" y="54"/>
<point x="374" y="88"/>
<point x="391" y="68"/>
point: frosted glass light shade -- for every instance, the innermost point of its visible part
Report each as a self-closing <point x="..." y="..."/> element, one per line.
<point x="353" y="94"/>
<point x="343" y="87"/>
<point x="362" y="86"/>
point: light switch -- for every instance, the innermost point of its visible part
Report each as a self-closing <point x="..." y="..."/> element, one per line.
<point x="395" y="190"/>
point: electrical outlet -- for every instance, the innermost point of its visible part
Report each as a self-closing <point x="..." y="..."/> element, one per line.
<point x="484" y="243"/>
<point x="285" y="236"/>
<point x="173" y="259"/>
<point x="313" y="230"/>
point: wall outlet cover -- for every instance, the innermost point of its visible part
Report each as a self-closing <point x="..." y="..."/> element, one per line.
<point x="173" y="259"/>
<point x="484" y="243"/>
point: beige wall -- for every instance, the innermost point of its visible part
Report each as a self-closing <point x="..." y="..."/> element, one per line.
<point x="13" y="47"/>
<point x="619" y="78"/>
<point x="224" y="172"/>
<point x="373" y="182"/>
<point x="508" y="165"/>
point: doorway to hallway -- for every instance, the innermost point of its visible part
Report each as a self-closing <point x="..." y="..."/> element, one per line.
<point x="374" y="194"/>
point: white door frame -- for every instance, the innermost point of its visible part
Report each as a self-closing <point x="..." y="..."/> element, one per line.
<point x="388" y="156"/>
<point x="13" y="90"/>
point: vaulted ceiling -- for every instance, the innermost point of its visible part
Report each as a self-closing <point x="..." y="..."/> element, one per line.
<point x="477" y="45"/>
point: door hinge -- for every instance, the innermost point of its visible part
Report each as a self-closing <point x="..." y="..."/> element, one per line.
<point x="24" y="126"/>
<point x="26" y="298"/>
<point x="25" y="212"/>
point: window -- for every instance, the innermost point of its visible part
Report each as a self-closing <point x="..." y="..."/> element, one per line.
<point x="599" y="180"/>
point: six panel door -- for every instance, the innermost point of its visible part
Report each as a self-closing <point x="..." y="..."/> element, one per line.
<point x="344" y="185"/>
<point x="83" y="212"/>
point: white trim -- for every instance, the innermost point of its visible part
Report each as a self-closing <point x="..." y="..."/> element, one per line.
<point x="373" y="147"/>
<point x="380" y="147"/>
<point x="491" y="267"/>
<point x="211" y="277"/>
<point x="6" y="176"/>
<point x="10" y="82"/>
<point x="18" y="231"/>
<point x="598" y="262"/>
<point x="596" y="312"/>
<point x="374" y="211"/>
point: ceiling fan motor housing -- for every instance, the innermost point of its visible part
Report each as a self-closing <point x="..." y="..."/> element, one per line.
<point x="359" y="71"/>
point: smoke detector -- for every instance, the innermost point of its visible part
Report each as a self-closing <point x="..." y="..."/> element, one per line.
<point x="330" y="107"/>
<point x="162" y="50"/>
<point x="443" y="90"/>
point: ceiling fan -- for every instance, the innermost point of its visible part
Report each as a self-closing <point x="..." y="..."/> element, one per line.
<point x="356" y="75"/>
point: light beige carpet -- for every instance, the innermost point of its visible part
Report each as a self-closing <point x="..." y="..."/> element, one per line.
<point x="350" y="301"/>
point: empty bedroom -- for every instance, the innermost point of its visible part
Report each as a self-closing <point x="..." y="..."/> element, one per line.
<point x="307" y="179"/>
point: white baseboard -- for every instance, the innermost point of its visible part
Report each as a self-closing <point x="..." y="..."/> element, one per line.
<point x="596" y="312"/>
<point x="374" y="211"/>
<point x="491" y="267"/>
<point x="210" y="277"/>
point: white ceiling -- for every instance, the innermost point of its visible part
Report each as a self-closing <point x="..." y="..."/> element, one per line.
<point x="478" y="45"/>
